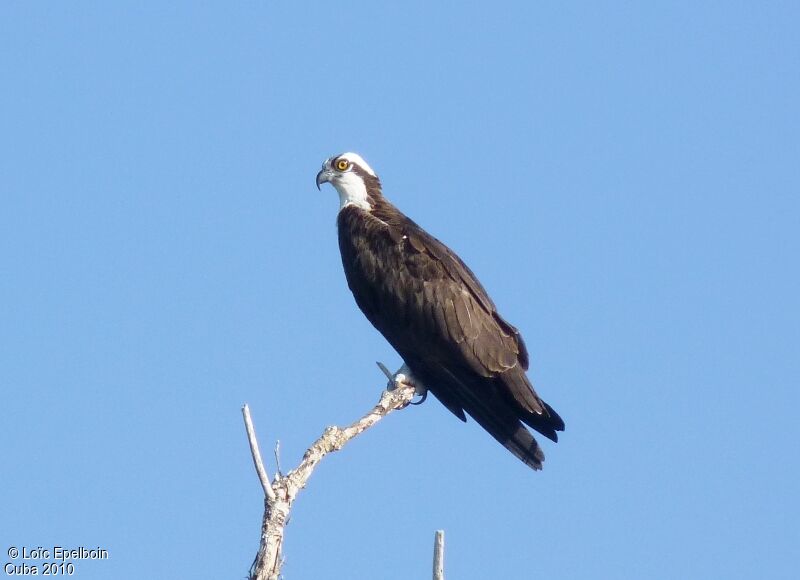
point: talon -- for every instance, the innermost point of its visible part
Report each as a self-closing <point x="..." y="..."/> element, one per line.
<point x="406" y="377"/>
<point x="423" y="396"/>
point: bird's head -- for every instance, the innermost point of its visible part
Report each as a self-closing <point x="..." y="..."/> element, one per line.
<point x="353" y="178"/>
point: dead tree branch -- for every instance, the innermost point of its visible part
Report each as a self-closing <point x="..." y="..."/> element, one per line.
<point x="263" y="477"/>
<point x="281" y="493"/>
<point x="438" y="555"/>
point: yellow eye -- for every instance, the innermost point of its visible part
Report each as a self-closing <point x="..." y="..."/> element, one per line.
<point x="342" y="164"/>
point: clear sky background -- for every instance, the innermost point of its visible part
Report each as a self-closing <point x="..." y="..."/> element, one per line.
<point x="623" y="178"/>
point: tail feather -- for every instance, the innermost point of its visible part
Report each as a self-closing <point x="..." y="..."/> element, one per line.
<point x="512" y="435"/>
<point x="497" y="413"/>
<point x="546" y="423"/>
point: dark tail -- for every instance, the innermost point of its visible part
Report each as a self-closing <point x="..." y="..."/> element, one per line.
<point x="547" y="423"/>
<point x="497" y="413"/>
<point x="500" y="419"/>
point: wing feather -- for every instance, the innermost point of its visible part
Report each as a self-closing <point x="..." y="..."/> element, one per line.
<point x="451" y="321"/>
<point x="490" y="346"/>
<point x="464" y="314"/>
<point x="431" y="308"/>
<point x="447" y="331"/>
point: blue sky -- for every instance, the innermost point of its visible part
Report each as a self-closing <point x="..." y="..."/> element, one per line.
<point x="623" y="178"/>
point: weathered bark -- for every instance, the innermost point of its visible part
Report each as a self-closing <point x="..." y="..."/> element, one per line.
<point x="438" y="555"/>
<point x="279" y="495"/>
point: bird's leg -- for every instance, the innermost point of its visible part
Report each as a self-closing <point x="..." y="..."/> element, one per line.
<point x="404" y="376"/>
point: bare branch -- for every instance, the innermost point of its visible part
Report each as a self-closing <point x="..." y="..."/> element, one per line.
<point x="284" y="489"/>
<point x="438" y="555"/>
<point x="256" y="453"/>
<point x="278" y="457"/>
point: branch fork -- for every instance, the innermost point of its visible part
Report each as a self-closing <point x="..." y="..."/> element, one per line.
<point x="280" y="493"/>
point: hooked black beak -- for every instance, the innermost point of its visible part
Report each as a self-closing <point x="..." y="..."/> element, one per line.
<point x="322" y="177"/>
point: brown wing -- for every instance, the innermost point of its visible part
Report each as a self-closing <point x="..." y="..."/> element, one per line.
<point x="465" y="314"/>
<point x="434" y="312"/>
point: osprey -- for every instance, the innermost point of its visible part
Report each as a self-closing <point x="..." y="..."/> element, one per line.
<point x="431" y="308"/>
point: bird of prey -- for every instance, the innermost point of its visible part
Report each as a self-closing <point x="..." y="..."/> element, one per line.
<point x="431" y="308"/>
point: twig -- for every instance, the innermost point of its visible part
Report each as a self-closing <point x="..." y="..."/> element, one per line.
<point x="256" y="453"/>
<point x="438" y="555"/>
<point x="278" y="457"/>
<point x="284" y="489"/>
<point x="385" y="371"/>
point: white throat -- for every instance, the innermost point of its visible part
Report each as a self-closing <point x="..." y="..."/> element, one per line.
<point x="351" y="190"/>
